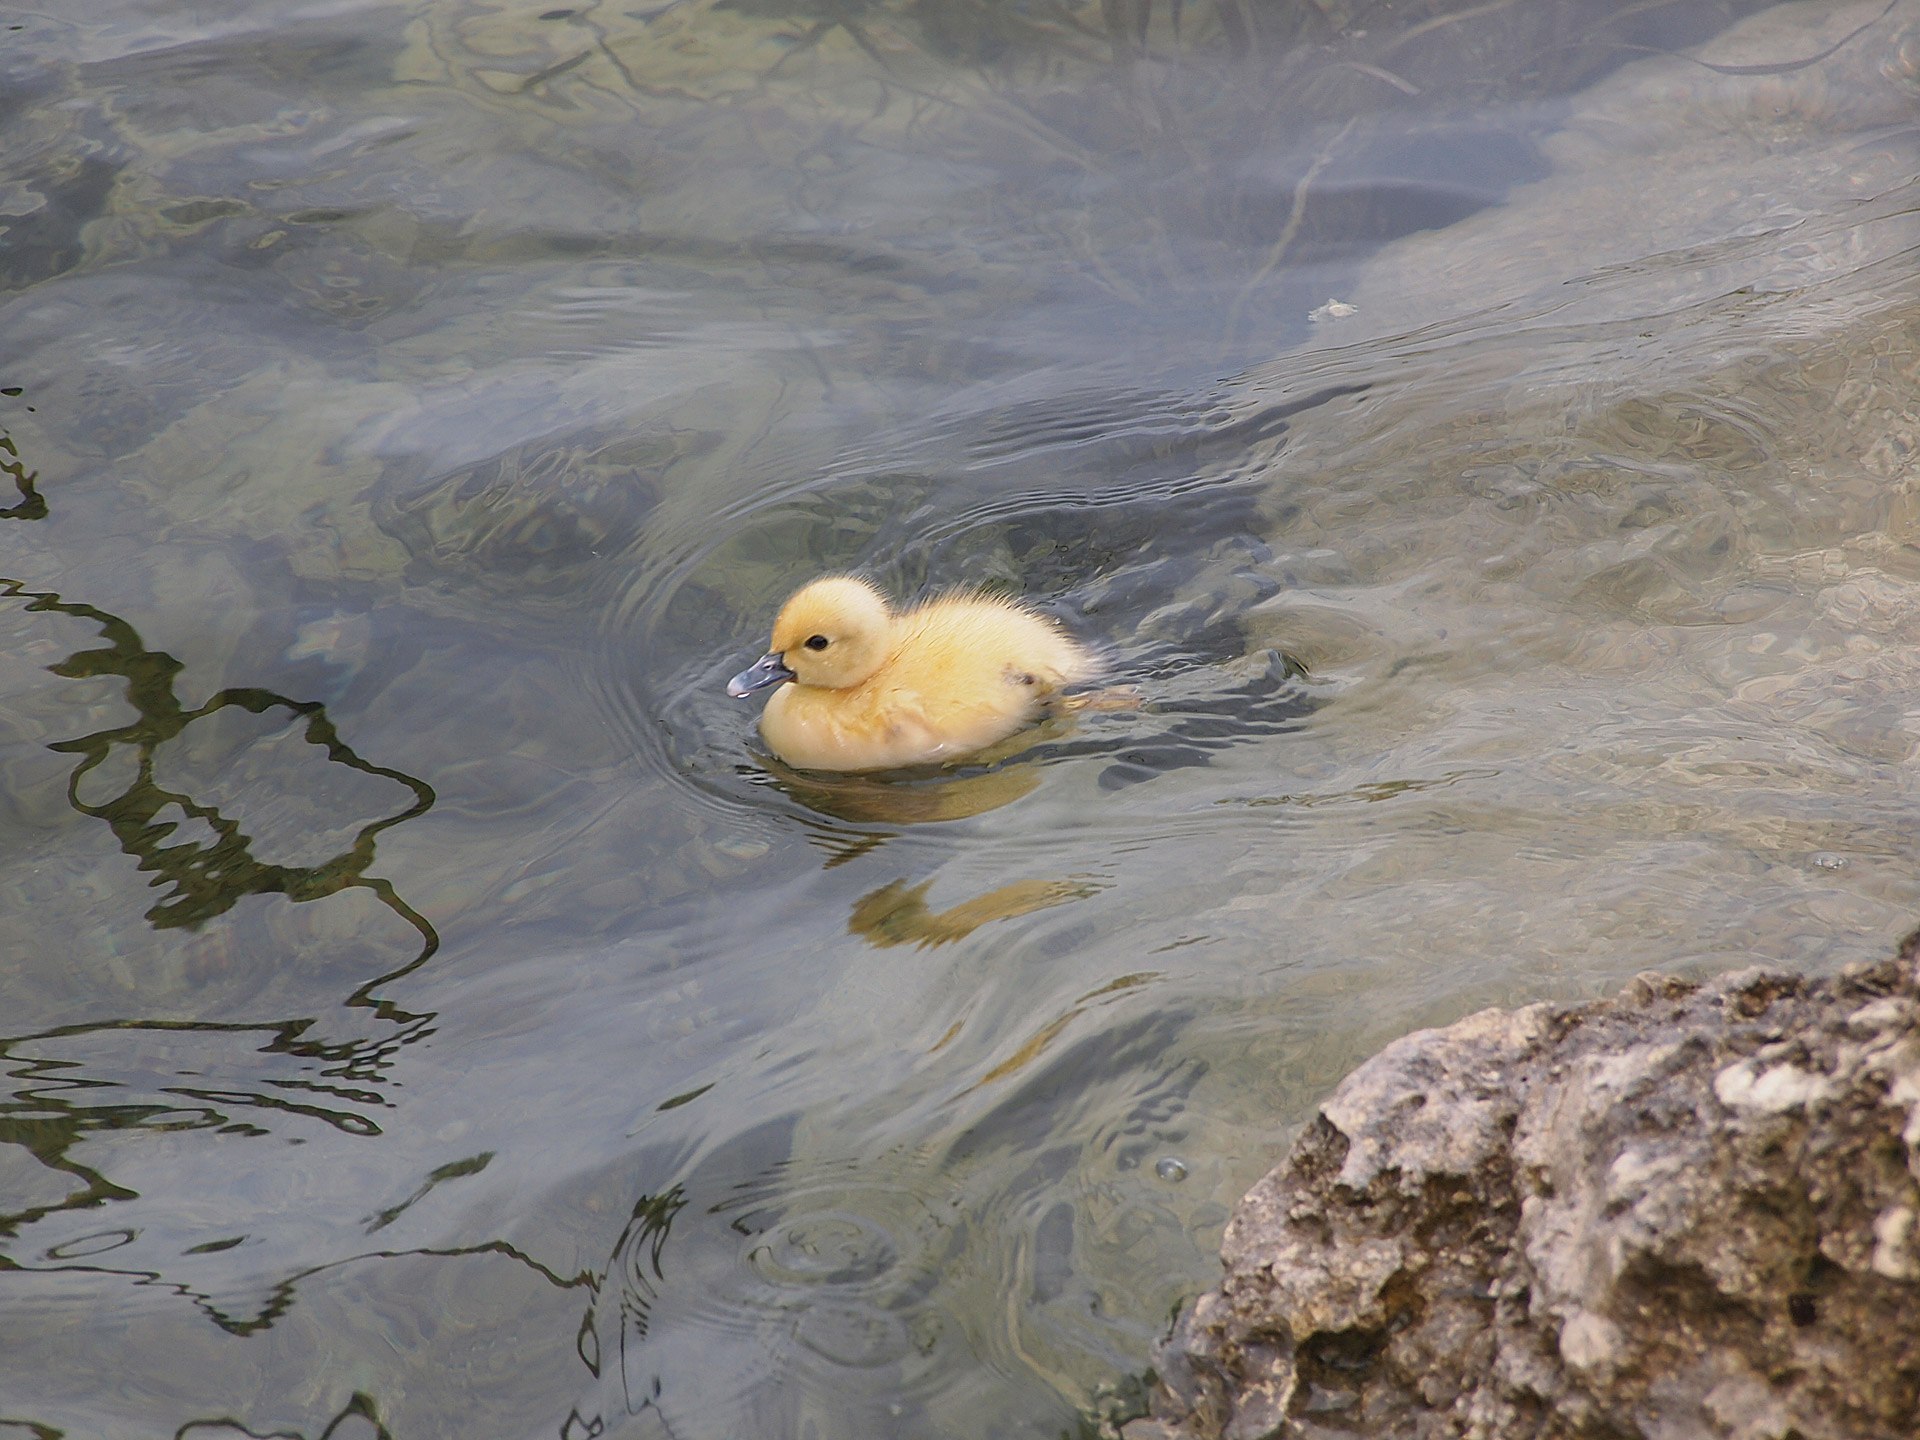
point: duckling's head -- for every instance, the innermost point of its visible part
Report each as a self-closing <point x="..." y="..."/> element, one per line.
<point x="832" y="633"/>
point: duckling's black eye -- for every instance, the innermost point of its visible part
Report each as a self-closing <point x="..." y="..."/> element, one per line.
<point x="816" y="642"/>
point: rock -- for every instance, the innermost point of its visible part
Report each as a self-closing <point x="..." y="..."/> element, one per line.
<point x="1685" y="1212"/>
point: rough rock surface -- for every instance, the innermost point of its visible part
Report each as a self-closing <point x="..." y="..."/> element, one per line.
<point x="1685" y="1212"/>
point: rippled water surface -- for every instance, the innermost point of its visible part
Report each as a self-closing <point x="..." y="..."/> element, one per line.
<point x="1482" y="437"/>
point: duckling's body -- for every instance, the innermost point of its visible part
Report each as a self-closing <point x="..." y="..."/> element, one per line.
<point x="871" y="690"/>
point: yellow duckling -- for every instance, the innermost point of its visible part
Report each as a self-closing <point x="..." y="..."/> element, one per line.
<point x="872" y="689"/>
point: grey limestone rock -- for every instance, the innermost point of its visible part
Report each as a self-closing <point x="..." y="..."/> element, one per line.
<point x="1684" y="1212"/>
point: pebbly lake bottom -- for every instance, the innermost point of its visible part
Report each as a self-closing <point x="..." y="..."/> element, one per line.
<point x="428" y="1011"/>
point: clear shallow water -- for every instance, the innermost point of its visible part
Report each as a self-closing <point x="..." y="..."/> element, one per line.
<point x="424" y="1006"/>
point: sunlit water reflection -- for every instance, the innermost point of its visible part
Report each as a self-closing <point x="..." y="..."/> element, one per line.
<point x="1483" y="438"/>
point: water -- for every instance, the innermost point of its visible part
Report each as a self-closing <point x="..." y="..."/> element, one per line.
<point x="1487" y="446"/>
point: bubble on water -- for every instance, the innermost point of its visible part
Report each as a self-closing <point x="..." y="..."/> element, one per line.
<point x="1171" y="1169"/>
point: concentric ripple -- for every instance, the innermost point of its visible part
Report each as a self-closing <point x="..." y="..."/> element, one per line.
<point x="787" y="1299"/>
<point x="1145" y="540"/>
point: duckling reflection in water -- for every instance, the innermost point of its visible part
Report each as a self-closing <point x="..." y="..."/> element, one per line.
<point x="871" y="689"/>
<point x="898" y="914"/>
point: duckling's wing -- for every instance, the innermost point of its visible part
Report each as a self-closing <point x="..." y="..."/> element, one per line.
<point x="961" y="686"/>
<point x="985" y="636"/>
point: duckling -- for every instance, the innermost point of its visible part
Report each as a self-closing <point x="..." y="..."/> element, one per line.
<point x="871" y="689"/>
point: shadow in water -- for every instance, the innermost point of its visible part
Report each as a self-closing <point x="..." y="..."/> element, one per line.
<point x="208" y="879"/>
<point x="69" y="1086"/>
<point x="359" y="1419"/>
<point x="32" y="505"/>
<point x="45" y="1116"/>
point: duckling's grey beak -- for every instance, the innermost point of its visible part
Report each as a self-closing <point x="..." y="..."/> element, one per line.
<point x="765" y="671"/>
